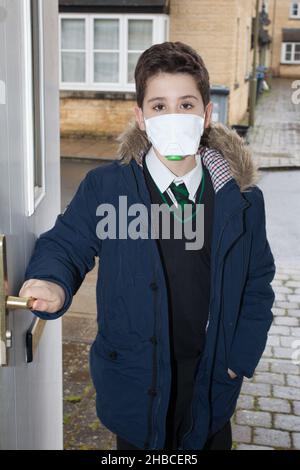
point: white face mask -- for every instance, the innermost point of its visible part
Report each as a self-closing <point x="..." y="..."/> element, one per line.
<point x="175" y="135"/>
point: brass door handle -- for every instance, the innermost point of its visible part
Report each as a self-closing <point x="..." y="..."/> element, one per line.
<point x="19" y="302"/>
<point x="8" y="302"/>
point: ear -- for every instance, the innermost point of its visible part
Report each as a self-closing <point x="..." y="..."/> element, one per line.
<point x="208" y="114"/>
<point x="139" y="118"/>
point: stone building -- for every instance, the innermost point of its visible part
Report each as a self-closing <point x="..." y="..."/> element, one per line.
<point x="101" y="40"/>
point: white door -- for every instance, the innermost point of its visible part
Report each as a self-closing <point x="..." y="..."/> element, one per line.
<point x="30" y="393"/>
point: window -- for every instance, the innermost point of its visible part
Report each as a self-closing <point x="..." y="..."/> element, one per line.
<point x="140" y="34"/>
<point x="290" y="53"/>
<point x="73" y="50"/>
<point x="100" y="51"/>
<point x="34" y="135"/>
<point x="106" y="50"/>
<point x="295" y="10"/>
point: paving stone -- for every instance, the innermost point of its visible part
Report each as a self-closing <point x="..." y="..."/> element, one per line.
<point x="253" y="418"/>
<point x="287" y="422"/>
<point x="293" y="297"/>
<point x="268" y="352"/>
<point x="282" y="297"/>
<point x="293" y="381"/>
<point x="286" y="304"/>
<point x="282" y="276"/>
<point x="241" y="433"/>
<point x="274" y="340"/>
<point x="285" y="353"/>
<point x="279" y="330"/>
<point x="252" y="447"/>
<point x="272" y="437"/>
<point x="296" y="440"/>
<point x="284" y="367"/>
<point x="296" y="407"/>
<point x="262" y="390"/>
<point x="290" y="393"/>
<point x="245" y="402"/>
<point x="286" y="341"/>
<point x="288" y="321"/>
<point x="283" y="289"/>
<point x="279" y="311"/>
<point x="263" y="366"/>
<point x="294" y="312"/>
<point x="269" y="378"/>
<point x="293" y="283"/>
<point x="274" y="404"/>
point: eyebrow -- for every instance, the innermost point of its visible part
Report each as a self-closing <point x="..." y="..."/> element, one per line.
<point x="163" y="98"/>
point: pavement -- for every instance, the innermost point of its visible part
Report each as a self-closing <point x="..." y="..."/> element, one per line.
<point x="268" y="410"/>
<point x="275" y="137"/>
<point x="88" y="148"/>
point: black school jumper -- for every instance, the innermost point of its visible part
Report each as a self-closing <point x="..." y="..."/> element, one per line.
<point x="188" y="282"/>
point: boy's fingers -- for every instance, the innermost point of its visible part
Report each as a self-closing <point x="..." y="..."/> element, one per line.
<point x="48" y="296"/>
<point x="42" y="292"/>
<point x="40" y="305"/>
<point x="38" y="293"/>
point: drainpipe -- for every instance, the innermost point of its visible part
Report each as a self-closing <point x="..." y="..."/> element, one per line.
<point x="253" y="81"/>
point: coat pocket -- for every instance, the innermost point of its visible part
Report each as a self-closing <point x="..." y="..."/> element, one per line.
<point x="121" y="377"/>
<point x="224" y="395"/>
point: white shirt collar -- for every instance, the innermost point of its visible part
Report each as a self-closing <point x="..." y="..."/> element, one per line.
<point x="163" y="177"/>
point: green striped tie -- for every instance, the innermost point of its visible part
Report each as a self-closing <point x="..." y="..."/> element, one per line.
<point x="181" y="194"/>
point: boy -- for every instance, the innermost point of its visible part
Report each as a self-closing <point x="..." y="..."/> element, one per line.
<point x="179" y="328"/>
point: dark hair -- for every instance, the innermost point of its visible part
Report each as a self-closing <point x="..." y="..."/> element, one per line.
<point x="171" y="57"/>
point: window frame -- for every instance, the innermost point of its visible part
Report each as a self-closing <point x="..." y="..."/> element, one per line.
<point x="78" y="17"/>
<point x="266" y="2"/>
<point x="91" y="51"/>
<point x="33" y="194"/>
<point x="160" y="27"/>
<point x="297" y="16"/>
<point x="283" y="53"/>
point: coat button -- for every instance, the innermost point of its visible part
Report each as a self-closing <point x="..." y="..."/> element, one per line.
<point x="146" y="445"/>
<point x="154" y="286"/>
<point x="113" y="354"/>
<point x="153" y="339"/>
<point x="151" y="391"/>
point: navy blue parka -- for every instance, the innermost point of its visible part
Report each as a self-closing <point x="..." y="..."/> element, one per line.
<point x="130" y="356"/>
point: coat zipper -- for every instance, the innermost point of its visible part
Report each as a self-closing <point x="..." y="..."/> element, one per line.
<point x="156" y="437"/>
<point x="191" y="407"/>
<point x="159" y="399"/>
<point x="154" y="378"/>
<point x="217" y="252"/>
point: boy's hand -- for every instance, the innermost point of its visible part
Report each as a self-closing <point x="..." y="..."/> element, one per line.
<point x="50" y="297"/>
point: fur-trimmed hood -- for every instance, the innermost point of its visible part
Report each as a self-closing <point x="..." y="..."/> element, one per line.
<point x="133" y="143"/>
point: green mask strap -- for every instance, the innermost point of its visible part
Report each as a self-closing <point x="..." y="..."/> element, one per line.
<point x="174" y="157"/>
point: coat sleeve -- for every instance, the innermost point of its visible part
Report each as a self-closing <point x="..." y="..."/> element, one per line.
<point x="66" y="252"/>
<point x="256" y="316"/>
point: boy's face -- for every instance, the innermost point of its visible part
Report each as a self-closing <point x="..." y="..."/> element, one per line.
<point x="172" y="93"/>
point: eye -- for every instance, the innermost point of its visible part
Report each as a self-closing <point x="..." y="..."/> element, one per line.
<point x="157" y="107"/>
<point x="183" y="104"/>
<point x="188" y="104"/>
